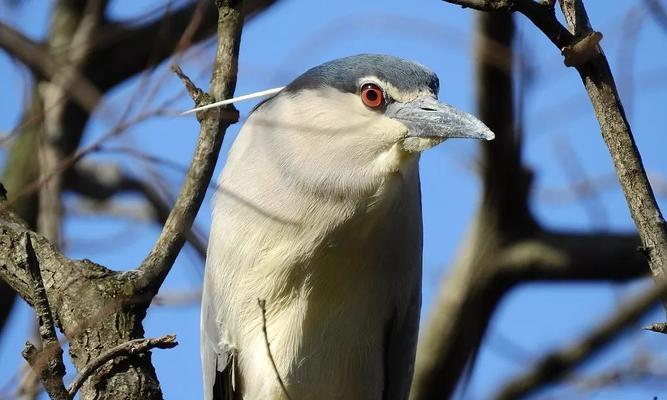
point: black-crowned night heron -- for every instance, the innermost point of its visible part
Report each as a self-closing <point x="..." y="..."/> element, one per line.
<point x="318" y="215"/>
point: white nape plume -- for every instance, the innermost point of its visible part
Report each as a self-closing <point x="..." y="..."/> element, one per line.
<point x="250" y="96"/>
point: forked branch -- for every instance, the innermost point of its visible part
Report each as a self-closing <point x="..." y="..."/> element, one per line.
<point x="47" y="363"/>
<point x="214" y="123"/>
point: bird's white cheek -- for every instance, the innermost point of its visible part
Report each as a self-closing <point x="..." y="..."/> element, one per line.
<point x="389" y="135"/>
<point x="419" y="144"/>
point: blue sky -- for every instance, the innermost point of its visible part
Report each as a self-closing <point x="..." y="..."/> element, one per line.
<point x="297" y="34"/>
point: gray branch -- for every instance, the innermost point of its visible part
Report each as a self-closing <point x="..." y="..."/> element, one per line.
<point x="153" y="42"/>
<point x="47" y="362"/>
<point x="214" y="123"/>
<point x="39" y="61"/>
<point x="571" y="256"/>
<point x="96" y="308"/>
<point x="480" y="279"/>
<point x="506" y="246"/>
<point x="104" y="181"/>
<point x="131" y="347"/>
<point x="615" y="129"/>
<point x="559" y="363"/>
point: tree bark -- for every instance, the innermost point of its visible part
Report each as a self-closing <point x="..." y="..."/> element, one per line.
<point x="119" y="52"/>
<point x="98" y="309"/>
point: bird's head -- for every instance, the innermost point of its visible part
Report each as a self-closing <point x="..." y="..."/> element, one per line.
<point x="372" y="89"/>
<point x="366" y="111"/>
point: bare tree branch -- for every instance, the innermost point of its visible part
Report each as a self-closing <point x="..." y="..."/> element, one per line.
<point x="506" y="246"/>
<point x="92" y="306"/>
<point x="615" y="129"/>
<point x="469" y="296"/>
<point x="558" y="364"/>
<point x="571" y="256"/>
<point x="658" y="13"/>
<point x="131" y="347"/>
<point x="154" y="41"/>
<point x="102" y="182"/>
<point x="47" y="362"/>
<point x="51" y="149"/>
<point x="484" y="5"/>
<point x="24" y="49"/>
<point x="214" y="123"/>
<point x="111" y="61"/>
<point x="98" y="309"/>
<point x="37" y="58"/>
<point x="541" y="13"/>
<point x="473" y="287"/>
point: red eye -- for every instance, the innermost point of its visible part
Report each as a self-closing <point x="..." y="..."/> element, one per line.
<point x="372" y="95"/>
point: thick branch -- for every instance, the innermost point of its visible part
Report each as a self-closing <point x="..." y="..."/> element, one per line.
<point x="38" y="59"/>
<point x="131" y="347"/>
<point x="93" y="307"/>
<point x="506" y="181"/>
<point x="74" y="27"/>
<point x="541" y="13"/>
<point x="657" y="11"/>
<point x="24" y="49"/>
<point x="452" y="337"/>
<point x="48" y="362"/>
<point x="558" y="364"/>
<point x="617" y="134"/>
<point x="569" y="256"/>
<point x="484" y="5"/>
<point x="214" y="123"/>
<point x="115" y="57"/>
<point x="483" y="275"/>
<point x="505" y="246"/>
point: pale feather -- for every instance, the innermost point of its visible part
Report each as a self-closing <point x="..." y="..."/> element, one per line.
<point x="326" y="227"/>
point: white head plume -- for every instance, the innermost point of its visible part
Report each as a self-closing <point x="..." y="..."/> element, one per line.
<point x="254" y="95"/>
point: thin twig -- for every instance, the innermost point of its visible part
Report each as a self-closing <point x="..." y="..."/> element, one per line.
<point x="659" y="327"/>
<point x="48" y="362"/>
<point x="576" y="173"/>
<point x="561" y="362"/>
<point x="262" y="306"/>
<point x="129" y="348"/>
<point x="42" y="63"/>
<point x="103" y="181"/>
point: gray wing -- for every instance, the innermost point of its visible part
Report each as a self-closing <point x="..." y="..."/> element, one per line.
<point x="403" y="329"/>
<point x="401" y="344"/>
<point x="218" y="365"/>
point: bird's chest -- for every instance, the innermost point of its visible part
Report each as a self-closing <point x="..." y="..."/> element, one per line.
<point x="367" y="241"/>
<point x="340" y="285"/>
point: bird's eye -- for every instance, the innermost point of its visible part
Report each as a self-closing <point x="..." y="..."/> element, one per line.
<point x="372" y="95"/>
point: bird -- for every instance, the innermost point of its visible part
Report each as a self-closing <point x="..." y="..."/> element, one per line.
<point x="312" y="286"/>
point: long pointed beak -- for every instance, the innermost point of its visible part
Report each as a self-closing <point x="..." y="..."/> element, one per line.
<point x="425" y="117"/>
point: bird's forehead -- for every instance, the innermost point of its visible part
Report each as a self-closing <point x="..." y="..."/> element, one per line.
<point x="401" y="78"/>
